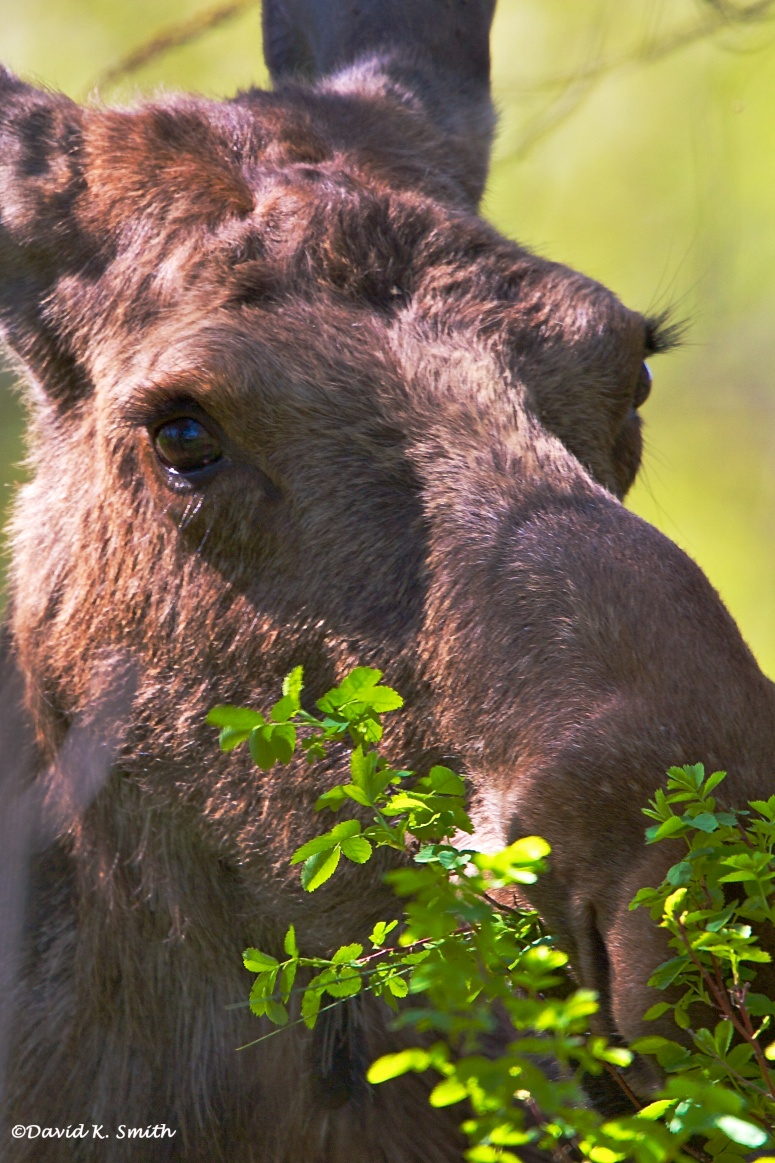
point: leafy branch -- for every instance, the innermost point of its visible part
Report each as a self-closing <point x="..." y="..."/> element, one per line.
<point x="456" y="958"/>
<point x="714" y="934"/>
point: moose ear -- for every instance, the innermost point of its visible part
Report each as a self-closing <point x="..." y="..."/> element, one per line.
<point x="437" y="49"/>
<point x="40" y="180"/>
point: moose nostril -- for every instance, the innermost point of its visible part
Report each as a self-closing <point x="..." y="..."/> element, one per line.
<point x="643" y="386"/>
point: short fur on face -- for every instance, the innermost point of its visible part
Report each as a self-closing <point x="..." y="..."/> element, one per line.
<point x="425" y="435"/>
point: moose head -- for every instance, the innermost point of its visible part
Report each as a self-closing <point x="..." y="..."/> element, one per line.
<point x="292" y="402"/>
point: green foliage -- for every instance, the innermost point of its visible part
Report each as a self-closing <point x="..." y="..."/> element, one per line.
<point x="711" y="902"/>
<point x="461" y="957"/>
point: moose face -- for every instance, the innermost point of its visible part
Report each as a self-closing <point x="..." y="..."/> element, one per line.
<point x="243" y="350"/>
<point x="293" y="402"/>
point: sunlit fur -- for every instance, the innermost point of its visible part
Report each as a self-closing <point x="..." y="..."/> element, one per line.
<point x="427" y="432"/>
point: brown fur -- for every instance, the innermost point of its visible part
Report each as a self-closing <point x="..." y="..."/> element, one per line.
<point x="428" y="431"/>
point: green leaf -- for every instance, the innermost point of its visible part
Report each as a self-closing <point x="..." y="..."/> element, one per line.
<point x="346" y="983"/>
<point x="650" y="1044"/>
<point x="288" y="977"/>
<point x="720" y="920"/>
<point x="229" y="738"/>
<point x="236" y="718"/>
<point x="674" y="901"/>
<point x="723" y="1036"/>
<point x="705" y="822"/>
<point x="362" y="767"/>
<point x="283" y="710"/>
<point x="484" y="1153"/>
<point x="656" y="1011"/>
<point x="667" y="828"/>
<point x="289" y="944"/>
<point x="380" y="932"/>
<point x="319" y="868"/>
<point x="359" y="693"/>
<point x="369" y="730"/>
<point x="358" y="849"/>
<point x="713" y="781"/>
<point x="293" y="684"/>
<point x="758" y="1004"/>
<point x="667" y="972"/>
<point x="258" y="962"/>
<point x="272" y="744"/>
<point x="520" y="862"/>
<point x="257" y="1003"/>
<point x="358" y="794"/>
<point x="261" y="749"/>
<point x="310" y="1006"/>
<point x="236" y="723"/>
<point x="447" y="1092"/>
<point x="405" y="801"/>
<point x="276" y="1012"/>
<point x="745" y="875"/>
<point x="328" y="840"/>
<point x="320" y="844"/>
<point x="655" y="1110"/>
<point x="393" y="1065"/>
<point x="358" y="683"/>
<point x="445" y="782"/>
<point x="680" y="874"/>
<point x="644" y="896"/>
<point x="398" y="986"/>
<point x="384" y="698"/>
<point x="284" y="741"/>
<point x="347" y="953"/>
<point x="332" y="799"/>
<point x="742" y="1132"/>
<point x="345" y="830"/>
<point x="528" y="850"/>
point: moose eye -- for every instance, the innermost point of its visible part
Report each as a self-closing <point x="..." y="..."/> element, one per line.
<point x="185" y="445"/>
<point x="643" y="386"/>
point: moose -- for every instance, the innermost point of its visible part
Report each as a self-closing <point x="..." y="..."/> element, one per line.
<point x="291" y="401"/>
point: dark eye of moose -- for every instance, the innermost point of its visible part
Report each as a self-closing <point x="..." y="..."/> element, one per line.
<point x="185" y="445"/>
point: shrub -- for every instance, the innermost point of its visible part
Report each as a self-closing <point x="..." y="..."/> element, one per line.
<point x="463" y="956"/>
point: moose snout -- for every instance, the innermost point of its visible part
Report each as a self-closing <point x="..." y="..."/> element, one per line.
<point x="599" y="656"/>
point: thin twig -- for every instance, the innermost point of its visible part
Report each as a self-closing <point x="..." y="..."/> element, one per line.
<point x="742" y="13"/>
<point x="577" y="86"/>
<point x="280" y="1029"/>
<point x="647" y="55"/>
<point x="176" y="35"/>
<point x="560" y="1152"/>
<point x="623" y="1085"/>
<point x="696" y="1153"/>
<point x="503" y="908"/>
<point x="724" y="1003"/>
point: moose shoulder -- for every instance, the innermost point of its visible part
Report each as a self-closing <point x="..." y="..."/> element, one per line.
<point x="292" y="401"/>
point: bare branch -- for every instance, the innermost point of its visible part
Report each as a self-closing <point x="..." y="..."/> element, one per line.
<point x="176" y="35"/>
<point x="577" y="86"/>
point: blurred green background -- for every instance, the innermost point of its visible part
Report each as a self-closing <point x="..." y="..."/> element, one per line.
<point x="637" y="143"/>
